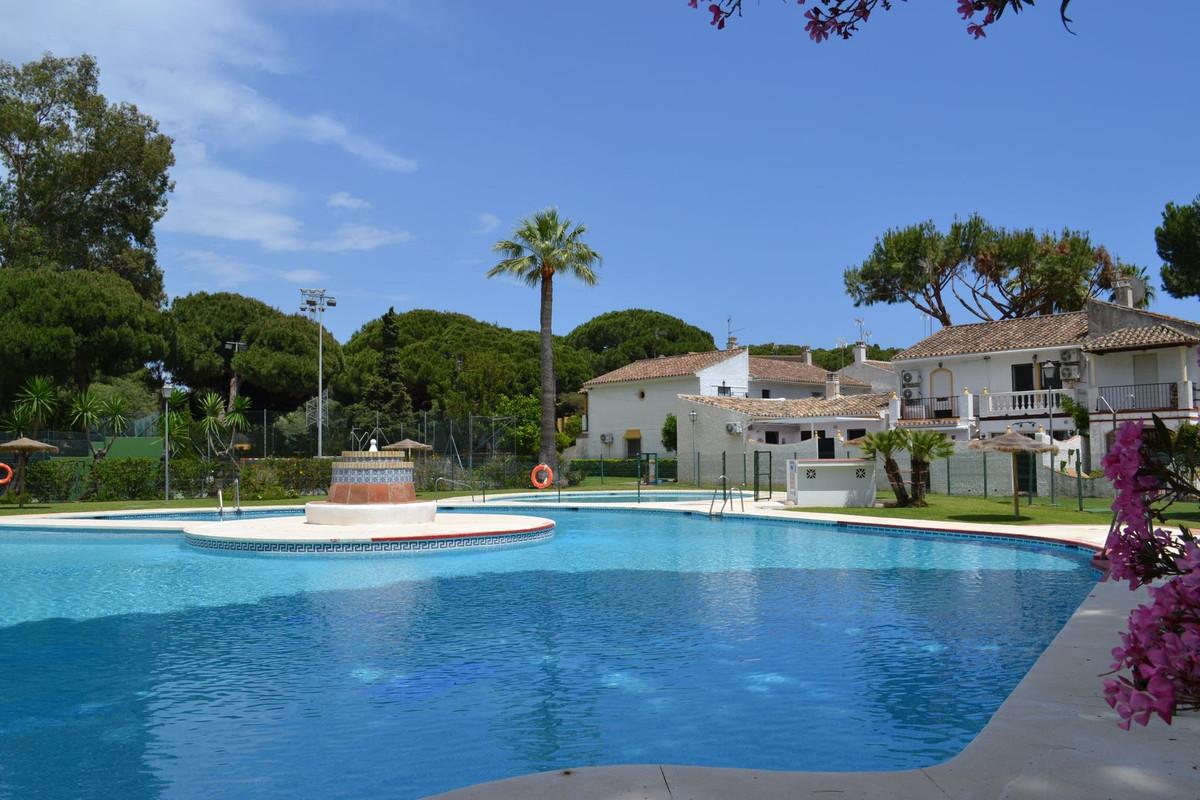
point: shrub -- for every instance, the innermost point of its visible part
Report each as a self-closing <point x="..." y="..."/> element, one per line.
<point x="54" y="479"/>
<point x="124" y="479"/>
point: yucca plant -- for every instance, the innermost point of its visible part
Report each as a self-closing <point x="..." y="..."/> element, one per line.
<point x="91" y="412"/>
<point x="37" y="401"/>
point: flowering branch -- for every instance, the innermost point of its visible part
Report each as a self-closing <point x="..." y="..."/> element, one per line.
<point x="841" y="18"/>
<point x="1161" y="649"/>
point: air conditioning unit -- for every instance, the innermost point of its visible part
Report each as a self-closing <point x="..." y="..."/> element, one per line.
<point x="910" y="394"/>
<point x="606" y="438"/>
<point x="910" y="377"/>
<point x="1070" y="372"/>
<point x="733" y="427"/>
<point x="1069" y="356"/>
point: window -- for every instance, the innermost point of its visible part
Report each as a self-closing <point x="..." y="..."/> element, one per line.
<point x="724" y="391"/>
<point x="771" y="437"/>
<point x="766" y="394"/>
<point x="855" y="433"/>
<point x="1022" y="377"/>
<point x="805" y="435"/>
<point x="633" y="448"/>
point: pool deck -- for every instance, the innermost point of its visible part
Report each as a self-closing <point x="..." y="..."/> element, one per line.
<point x="1054" y="737"/>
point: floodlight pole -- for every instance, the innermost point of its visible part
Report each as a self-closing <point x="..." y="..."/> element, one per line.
<point x="315" y="301"/>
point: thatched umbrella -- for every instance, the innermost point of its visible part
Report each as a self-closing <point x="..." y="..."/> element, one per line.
<point x="407" y="445"/>
<point x="23" y="447"/>
<point x="1014" y="443"/>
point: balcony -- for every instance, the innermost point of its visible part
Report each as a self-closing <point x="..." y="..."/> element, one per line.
<point x="1036" y="403"/>
<point x="1138" y="397"/>
<point x="915" y="408"/>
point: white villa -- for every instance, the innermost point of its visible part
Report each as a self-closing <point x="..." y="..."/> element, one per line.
<point x="626" y="408"/>
<point x="1116" y="361"/>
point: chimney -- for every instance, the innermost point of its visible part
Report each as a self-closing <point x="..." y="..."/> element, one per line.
<point x="1123" y="289"/>
<point x="833" y="386"/>
<point x="731" y="344"/>
<point x="806" y="354"/>
<point x="860" y="352"/>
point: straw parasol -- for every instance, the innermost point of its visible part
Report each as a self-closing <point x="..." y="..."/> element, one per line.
<point x="1014" y="443"/>
<point x="407" y="445"/>
<point x="23" y="447"/>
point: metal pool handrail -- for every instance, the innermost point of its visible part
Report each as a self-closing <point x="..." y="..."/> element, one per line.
<point x="450" y="482"/>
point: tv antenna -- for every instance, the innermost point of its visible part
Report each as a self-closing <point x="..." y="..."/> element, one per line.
<point x="864" y="335"/>
<point x="730" y="338"/>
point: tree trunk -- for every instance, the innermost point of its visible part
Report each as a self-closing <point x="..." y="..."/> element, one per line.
<point x="234" y="384"/>
<point x="547" y="452"/>
<point x="920" y="473"/>
<point x="896" y="480"/>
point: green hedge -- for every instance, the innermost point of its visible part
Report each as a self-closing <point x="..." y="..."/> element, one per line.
<point x="55" y="479"/>
<point x="124" y="479"/>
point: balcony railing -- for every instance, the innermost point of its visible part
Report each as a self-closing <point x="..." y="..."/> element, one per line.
<point x="1139" y="397"/>
<point x="929" y="407"/>
<point x="1036" y="403"/>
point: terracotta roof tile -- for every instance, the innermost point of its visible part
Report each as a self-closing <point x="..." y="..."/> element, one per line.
<point x="1139" y="338"/>
<point x="850" y="405"/>
<point x="1051" y="330"/>
<point x="764" y="368"/>
<point x="664" y="367"/>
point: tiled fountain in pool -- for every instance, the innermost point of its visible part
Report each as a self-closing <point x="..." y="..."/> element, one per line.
<point x="135" y="667"/>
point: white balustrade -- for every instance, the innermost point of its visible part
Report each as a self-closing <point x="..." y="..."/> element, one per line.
<point x="1038" y="402"/>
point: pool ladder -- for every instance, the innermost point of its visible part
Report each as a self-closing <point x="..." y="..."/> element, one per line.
<point x="447" y="481"/>
<point x="237" y="500"/>
<point x="726" y="499"/>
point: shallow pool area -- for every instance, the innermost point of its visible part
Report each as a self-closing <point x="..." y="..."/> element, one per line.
<point x="137" y="667"/>
<point x="620" y="496"/>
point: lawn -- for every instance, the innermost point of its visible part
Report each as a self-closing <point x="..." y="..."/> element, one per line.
<point x="960" y="508"/>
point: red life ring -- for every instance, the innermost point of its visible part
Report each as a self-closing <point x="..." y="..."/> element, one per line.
<point x="543" y="482"/>
<point x="7" y="474"/>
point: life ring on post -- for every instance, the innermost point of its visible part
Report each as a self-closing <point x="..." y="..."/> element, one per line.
<point x="8" y="473"/>
<point x="547" y="476"/>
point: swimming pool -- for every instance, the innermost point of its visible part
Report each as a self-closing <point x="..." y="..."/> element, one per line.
<point x="137" y="668"/>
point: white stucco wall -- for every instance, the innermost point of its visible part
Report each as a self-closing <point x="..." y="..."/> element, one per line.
<point x="881" y="380"/>
<point x="617" y="407"/>
<point x="788" y="390"/>
<point x="733" y="372"/>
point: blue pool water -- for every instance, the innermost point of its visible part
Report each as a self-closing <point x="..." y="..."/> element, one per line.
<point x="140" y="668"/>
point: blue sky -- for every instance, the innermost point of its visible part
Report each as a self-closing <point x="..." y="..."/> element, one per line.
<point x="378" y="149"/>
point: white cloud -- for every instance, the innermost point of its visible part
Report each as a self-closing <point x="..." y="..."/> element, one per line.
<point x="359" y="237"/>
<point x="216" y="270"/>
<point x="189" y="64"/>
<point x="346" y="200"/>
<point x="488" y="222"/>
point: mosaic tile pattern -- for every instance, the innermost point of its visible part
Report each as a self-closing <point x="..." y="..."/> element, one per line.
<point x="372" y="475"/>
<point x="406" y="546"/>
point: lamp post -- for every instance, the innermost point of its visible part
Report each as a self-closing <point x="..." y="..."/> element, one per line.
<point x="167" y="391"/>
<point x="695" y="455"/>
<point x="315" y="301"/>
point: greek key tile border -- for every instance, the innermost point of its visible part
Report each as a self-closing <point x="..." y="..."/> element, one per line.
<point x="406" y="546"/>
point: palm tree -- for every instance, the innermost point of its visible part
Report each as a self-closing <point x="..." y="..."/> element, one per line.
<point x="924" y="447"/>
<point x="885" y="445"/>
<point x="37" y="399"/>
<point x="543" y="246"/>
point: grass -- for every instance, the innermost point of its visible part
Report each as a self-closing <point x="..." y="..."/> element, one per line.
<point x="960" y="508"/>
<point x="589" y="484"/>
